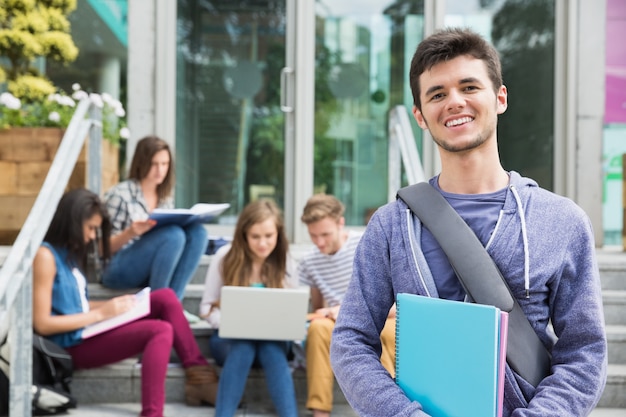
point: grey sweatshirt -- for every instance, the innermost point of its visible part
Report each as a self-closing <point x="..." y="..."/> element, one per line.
<point x="543" y="245"/>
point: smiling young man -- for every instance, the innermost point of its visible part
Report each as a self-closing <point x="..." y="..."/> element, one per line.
<point x="542" y="244"/>
<point x="327" y="269"/>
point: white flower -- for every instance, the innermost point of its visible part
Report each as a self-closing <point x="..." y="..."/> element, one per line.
<point x="10" y="101"/>
<point x="62" y="100"/>
<point x="97" y="100"/>
<point x="124" y="133"/>
<point x="79" y="95"/>
<point x="66" y="101"/>
<point x="107" y="99"/>
<point x="119" y="111"/>
<point x="75" y="86"/>
<point x="54" y="117"/>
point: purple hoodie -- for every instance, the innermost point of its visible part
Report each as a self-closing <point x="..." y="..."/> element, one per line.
<point x="543" y="243"/>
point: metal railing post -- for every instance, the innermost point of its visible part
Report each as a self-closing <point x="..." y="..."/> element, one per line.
<point x="16" y="286"/>
<point x="94" y="166"/>
<point x="402" y="147"/>
<point x="21" y="348"/>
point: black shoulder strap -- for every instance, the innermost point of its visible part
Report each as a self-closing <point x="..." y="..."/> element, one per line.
<point x="479" y="276"/>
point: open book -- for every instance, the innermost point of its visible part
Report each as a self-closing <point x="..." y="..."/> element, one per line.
<point x="141" y="309"/>
<point x="201" y="212"/>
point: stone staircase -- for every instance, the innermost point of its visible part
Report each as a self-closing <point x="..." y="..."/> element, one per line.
<point x="119" y="383"/>
<point x="612" y="263"/>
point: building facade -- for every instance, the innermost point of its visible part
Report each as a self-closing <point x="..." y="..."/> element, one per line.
<point x="284" y="98"/>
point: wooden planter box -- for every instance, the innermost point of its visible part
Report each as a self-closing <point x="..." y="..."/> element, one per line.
<point x="26" y="155"/>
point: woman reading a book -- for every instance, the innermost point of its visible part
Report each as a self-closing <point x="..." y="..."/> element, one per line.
<point x="61" y="310"/>
<point x="258" y="256"/>
<point x="144" y="253"/>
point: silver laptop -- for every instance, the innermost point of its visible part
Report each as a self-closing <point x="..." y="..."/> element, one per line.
<point x="263" y="313"/>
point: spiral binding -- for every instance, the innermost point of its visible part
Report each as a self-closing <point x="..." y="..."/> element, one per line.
<point x="397" y="338"/>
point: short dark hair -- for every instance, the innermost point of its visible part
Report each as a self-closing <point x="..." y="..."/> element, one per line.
<point x="141" y="163"/>
<point x="447" y="44"/>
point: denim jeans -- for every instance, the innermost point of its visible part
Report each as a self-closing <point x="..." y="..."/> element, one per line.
<point x="236" y="357"/>
<point x="166" y="257"/>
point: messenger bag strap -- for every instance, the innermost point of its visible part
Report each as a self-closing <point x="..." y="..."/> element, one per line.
<point x="479" y="276"/>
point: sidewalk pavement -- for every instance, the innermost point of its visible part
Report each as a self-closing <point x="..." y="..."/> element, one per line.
<point x="181" y="410"/>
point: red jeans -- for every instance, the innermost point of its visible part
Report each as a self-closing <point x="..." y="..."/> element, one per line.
<point x="153" y="336"/>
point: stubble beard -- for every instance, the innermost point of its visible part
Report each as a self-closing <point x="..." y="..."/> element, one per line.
<point x="481" y="138"/>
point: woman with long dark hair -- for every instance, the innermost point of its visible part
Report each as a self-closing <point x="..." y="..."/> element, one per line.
<point x="61" y="309"/>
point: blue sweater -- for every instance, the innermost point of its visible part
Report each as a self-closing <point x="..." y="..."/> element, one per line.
<point x="543" y="245"/>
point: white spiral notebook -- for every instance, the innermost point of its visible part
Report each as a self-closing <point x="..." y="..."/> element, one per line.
<point x="141" y="309"/>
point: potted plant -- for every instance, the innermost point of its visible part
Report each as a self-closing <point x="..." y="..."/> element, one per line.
<point x="32" y="31"/>
<point x="34" y="113"/>
<point x="31" y="133"/>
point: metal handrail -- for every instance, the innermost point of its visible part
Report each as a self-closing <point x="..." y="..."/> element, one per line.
<point x="16" y="273"/>
<point x="402" y="152"/>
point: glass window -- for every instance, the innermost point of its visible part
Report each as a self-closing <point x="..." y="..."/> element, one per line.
<point x="363" y="53"/>
<point x="229" y="127"/>
<point x="99" y="31"/>
<point x="523" y="32"/>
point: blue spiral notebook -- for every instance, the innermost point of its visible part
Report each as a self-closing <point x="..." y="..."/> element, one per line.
<point x="450" y="356"/>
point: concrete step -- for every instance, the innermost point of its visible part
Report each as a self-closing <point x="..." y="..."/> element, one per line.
<point x="251" y="410"/>
<point x="608" y="412"/>
<point x="614" y="302"/>
<point x="616" y="337"/>
<point x="173" y="409"/>
<point x="121" y="381"/>
<point x="612" y="265"/>
<point x="614" y="395"/>
<point x="200" y="275"/>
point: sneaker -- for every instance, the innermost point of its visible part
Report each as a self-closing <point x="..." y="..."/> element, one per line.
<point x="191" y="318"/>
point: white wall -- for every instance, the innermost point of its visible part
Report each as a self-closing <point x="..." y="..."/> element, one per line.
<point x="589" y="96"/>
<point x="151" y="71"/>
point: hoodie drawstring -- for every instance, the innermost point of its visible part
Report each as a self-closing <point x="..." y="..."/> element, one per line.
<point x="522" y="217"/>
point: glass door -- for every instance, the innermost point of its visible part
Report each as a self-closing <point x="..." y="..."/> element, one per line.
<point x="229" y="124"/>
<point x="524" y="34"/>
<point x="284" y="98"/>
<point x="363" y="54"/>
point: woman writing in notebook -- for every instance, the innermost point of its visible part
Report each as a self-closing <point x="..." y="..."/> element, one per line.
<point x="61" y="310"/>
<point x="258" y="256"/>
<point x="170" y="254"/>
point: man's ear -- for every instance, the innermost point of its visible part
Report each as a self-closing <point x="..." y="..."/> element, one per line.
<point x="419" y="118"/>
<point x="502" y="100"/>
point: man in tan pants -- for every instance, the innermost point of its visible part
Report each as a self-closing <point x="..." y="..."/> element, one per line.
<point x="327" y="270"/>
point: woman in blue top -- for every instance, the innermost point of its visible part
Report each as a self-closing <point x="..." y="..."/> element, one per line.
<point x="170" y="254"/>
<point x="258" y="256"/>
<point x="61" y="310"/>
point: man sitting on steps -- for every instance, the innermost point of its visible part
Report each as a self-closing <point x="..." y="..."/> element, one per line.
<point x="327" y="270"/>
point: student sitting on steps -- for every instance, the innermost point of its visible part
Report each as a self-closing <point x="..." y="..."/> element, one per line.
<point x="61" y="310"/>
